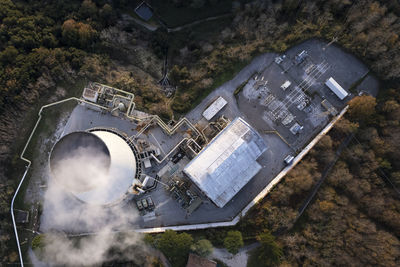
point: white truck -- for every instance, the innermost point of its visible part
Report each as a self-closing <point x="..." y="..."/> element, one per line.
<point x="285" y="85"/>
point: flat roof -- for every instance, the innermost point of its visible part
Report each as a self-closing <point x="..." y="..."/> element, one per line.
<point x="228" y="162"/>
<point x="214" y="108"/>
<point x="90" y="94"/>
<point x="144" y="11"/>
<point x="336" y="88"/>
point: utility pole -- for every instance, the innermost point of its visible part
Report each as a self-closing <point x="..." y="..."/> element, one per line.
<point x="334" y="39"/>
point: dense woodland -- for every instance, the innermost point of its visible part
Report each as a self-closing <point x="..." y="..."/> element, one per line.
<point x="48" y="49"/>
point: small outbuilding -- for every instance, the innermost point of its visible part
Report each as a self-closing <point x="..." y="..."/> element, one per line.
<point x="285" y="85"/>
<point x="144" y="11"/>
<point x="336" y="88"/>
<point x="214" y="108"/>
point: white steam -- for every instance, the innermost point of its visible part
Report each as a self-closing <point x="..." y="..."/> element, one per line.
<point x="84" y="169"/>
<point x="64" y="213"/>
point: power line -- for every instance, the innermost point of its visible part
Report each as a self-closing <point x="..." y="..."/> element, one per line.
<point x="381" y="171"/>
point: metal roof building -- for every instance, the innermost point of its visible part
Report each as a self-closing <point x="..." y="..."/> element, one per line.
<point x="214" y="108"/>
<point x="228" y="162"/>
<point x="336" y="88"/>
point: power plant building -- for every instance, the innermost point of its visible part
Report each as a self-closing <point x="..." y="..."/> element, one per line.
<point x="228" y="162"/>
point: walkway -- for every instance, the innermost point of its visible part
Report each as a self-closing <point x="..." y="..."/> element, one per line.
<point x="197" y="22"/>
<point x="129" y="18"/>
<point x="237" y="260"/>
<point x="153" y="28"/>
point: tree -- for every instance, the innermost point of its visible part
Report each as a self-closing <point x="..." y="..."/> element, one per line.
<point x="88" y="9"/>
<point x="197" y="3"/>
<point x="175" y="246"/>
<point x="269" y="254"/>
<point x="203" y="247"/>
<point x="38" y="241"/>
<point x="180" y="76"/>
<point x="8" y="55"/>
<point x="362" y="108"/>
<point x="233" y="241"/>
<point x="107" y="15"/>
<point x="39" y="244"/>
<point x="77" y="33"/>
<point x="344" y="126"/>
<point x="159" y="42"/>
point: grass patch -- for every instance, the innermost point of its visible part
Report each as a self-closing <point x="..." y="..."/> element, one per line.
<point x="181" y="107"/>
<point x="240" y="87"/>
<point x="252" y="260"/>
<point x="207" y="30"/>
<point x="220" y="79"/>
<point x="202" y="32"/>
<point x="45" y="129"/>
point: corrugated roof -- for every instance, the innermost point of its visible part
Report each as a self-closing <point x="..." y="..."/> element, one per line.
<point x="228" y="162"/>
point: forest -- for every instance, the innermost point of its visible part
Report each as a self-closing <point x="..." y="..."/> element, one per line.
<point x="48" y="49"/>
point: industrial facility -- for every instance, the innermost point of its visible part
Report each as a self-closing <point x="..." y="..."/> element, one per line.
<point x="210" y="166"/>
<point x="111" y="167"/>
<point x="206" y="166"/>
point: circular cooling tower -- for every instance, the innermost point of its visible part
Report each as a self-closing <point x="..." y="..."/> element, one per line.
<point x="98" y="167"/>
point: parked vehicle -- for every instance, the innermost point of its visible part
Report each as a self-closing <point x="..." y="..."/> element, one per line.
<point x="139" y="205"/>
<point x="144" y="202"/>
<point x="288" y="160"/>
<point x="150" y="202"/>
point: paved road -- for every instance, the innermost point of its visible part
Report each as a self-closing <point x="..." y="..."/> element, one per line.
<point x="237" y="260"/>
<point x="129" y="18"/>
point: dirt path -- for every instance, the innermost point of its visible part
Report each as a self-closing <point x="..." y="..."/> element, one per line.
<point x="153" y="28"/>
<point x="197" y="22"/>
<point x="129" y="18"/>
